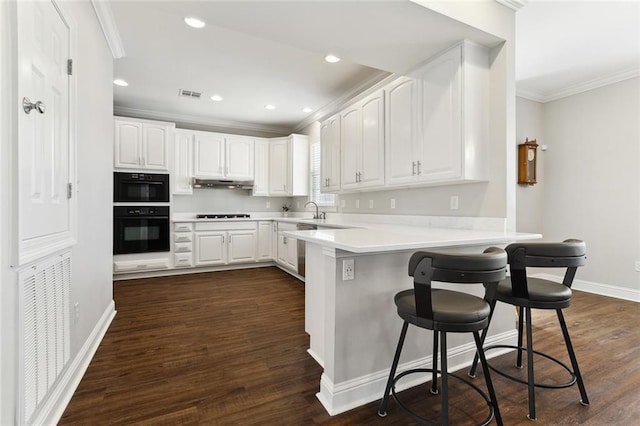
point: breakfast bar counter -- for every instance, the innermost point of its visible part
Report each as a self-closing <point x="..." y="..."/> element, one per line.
<point x="350" y="315"/>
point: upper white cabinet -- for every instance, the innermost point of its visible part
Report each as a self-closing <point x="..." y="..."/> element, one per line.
<point x="182" y="162"/>
<point x="223" y="156"/>
<point x="437" y="121"/>
<point x="261" y="168"/>
<point x="362" y="141"/>
<point x="289" y="166"/>
<point x="330" y="154"/>
<point x="142" y="144"/>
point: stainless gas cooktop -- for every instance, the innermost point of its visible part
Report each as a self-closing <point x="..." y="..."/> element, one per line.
<point x="222" y="215"/>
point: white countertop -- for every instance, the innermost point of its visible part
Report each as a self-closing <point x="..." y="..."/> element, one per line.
<point x="376" y="238"/>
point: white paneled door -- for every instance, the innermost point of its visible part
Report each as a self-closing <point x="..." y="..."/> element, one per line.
<point x="45" y="162"/>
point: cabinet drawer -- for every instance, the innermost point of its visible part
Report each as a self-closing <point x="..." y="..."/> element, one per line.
<point x="183" y="227"/>
<point x="226" y="226"/>
<point x="183" y="247"/>
<point x="183" y="260"/>
<point x="140" y="265"/>
<point x="183" y="237"/>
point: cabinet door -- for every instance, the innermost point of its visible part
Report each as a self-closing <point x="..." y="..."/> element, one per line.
<point x="182" y="163"/>
<point x="441" y="139"/>
<point x="371" y="166"/>
<point x="208" y="155"/>
<point x="242" y="246"/>
<point x="155" y="146"/>
<point x="330" y="154"/>
<point x="401" y="130"/>
<point x="264" y="241"/>
<point x="287" y="252"/>
<point x="351" y="142"/>
<point x="278" y="167"/>
<point x="127" y="144"/>
<point x="239" y="158"/>
<point x="261" y="168"/>
<point x="210" y="248"/>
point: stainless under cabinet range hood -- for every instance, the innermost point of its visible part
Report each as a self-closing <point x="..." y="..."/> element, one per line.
<point x="223" y="184"/>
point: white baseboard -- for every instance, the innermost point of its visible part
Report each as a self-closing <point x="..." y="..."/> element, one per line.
<point x="341" y="397"/>
<point x="62" y="392"/>
<point x="624" y="293"/>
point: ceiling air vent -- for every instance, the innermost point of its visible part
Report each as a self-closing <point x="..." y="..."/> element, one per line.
<point x="190" y="94"/>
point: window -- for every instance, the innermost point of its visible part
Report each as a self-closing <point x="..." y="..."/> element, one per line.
<point x="326" y="200"/>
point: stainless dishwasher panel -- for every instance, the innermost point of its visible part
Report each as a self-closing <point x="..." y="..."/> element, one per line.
<point x="301" y="245"/>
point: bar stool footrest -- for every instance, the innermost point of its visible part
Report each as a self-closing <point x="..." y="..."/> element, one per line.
<point x="422" y="420"/>
<point x="568" y="384"/>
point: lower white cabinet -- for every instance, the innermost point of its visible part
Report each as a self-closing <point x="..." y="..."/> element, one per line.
<point x="287" y="247"/>
<point x="182" y="245"/>
<point x="222" y="243"/>
<point x="265" y="234"/>
<point x="137" y="263"/>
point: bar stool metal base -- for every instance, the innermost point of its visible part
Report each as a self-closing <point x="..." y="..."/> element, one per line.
<point x="422" y="420"/>
<point x="568" y="384"/>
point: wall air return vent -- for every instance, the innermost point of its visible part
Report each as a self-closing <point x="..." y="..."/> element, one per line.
<point x="189" y="94"/>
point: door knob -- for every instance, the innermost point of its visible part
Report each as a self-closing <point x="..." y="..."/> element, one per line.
<point x="27" y="106"/>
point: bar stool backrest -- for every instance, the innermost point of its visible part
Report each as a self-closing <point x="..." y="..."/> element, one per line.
<point x="569" y="254"/>
<point x="427" y="266"/>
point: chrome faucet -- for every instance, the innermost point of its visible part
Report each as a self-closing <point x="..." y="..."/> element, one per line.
<point x="317" y="215"/>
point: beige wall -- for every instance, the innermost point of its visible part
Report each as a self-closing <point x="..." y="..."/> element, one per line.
<point x="529" y="198"/>
<point x="592" y="179"/>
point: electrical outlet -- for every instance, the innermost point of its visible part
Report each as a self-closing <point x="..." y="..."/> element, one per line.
<point x="393" y="203"/>
<point x="357" y="204"/>
<point x="370" y="204"/>
<point x="348" y="269"/>
<point x="76" y="312"/>
<point x="268" y="204"/>
<point x="638" y="265"/>
<point x="454" y="202"/>
<point x="343" y="203"/>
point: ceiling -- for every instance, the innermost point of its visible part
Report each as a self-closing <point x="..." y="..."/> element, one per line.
<point x="265" y="52"/>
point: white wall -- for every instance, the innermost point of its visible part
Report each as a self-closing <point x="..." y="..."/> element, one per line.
<point x="592" y="179"/>
<point x="529" y="198"/>
<point x="91" y="284"/>
<point x="215" y="200"/>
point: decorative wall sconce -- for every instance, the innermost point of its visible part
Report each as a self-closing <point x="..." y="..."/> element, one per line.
<point x="527" y="159"/>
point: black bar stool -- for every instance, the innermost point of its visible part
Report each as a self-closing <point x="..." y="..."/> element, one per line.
<point x="446" y="311"/>
<point x="528" y="293"/>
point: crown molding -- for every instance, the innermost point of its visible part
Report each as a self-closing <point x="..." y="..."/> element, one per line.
<point x="200" y="121"/>
<point x="102" y="8"/>
<point x="513" y="4"/>
<point x="580" y="87"/>
<point x="359" y="91"/>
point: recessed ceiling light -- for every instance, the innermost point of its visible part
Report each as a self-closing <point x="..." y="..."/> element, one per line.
<point x="307" y="109"/>
<point x="216" y="98"/>
<point x="270" y="106"/>
<point x="120" y="82"/>
<point x="194" y="22"/>
<point x="332" y="59"/>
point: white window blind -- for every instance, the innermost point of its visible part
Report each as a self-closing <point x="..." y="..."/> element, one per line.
<point x="327" y="200"/>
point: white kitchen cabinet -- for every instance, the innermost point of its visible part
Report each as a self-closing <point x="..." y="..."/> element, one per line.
<point x="182" y="172"/>
<point x="141" y="144"/>
<point x="211" y="248"/>
<point x="220" y="156"/>
<point x="362" y="142"/>
<point x="242" y="246"/>
<point x="330" y="154"/>
<point x="264" y="248"/>
<point x="222" y="243"/>
<point x="437" y="120"/>
<point x="287" y="250"/>
<point x="289" y="166"/>
<point x="261" y="168"/>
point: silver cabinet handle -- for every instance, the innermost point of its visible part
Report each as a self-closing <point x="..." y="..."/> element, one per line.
<point x="419" y="165"/>
<point x="27" y="106"/>
<point x="413" y="168"/>
<point x="223" y="239"/>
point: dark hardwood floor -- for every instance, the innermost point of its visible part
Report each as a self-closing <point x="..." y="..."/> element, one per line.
<point x="230" y="348"/>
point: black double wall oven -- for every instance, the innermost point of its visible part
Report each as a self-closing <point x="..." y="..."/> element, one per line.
<point x="140" y="220"/>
